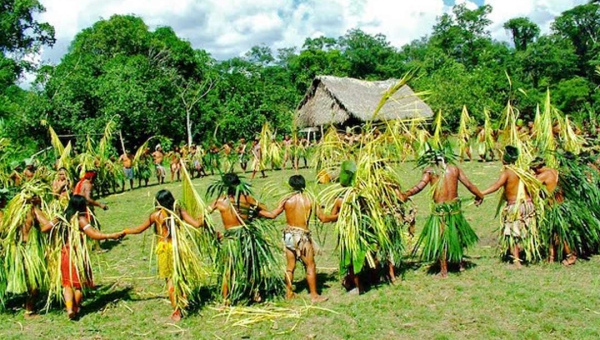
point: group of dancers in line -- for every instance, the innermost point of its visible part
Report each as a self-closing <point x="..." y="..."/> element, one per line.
<point x="564" y="225"/>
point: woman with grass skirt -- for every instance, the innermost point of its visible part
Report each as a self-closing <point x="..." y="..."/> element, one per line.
<point x="25" y="246"/>
<point x="173" y="248"/>
<point x="75" y="264"/>
<point x="446" y="233"/>
<point x="246" y="265"/>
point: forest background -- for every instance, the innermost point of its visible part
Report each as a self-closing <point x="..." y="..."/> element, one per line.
<point x="150" y="82"/>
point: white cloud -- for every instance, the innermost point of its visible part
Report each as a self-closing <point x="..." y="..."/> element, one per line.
<point x="542" y="12"/>
<point x="228" y="28"/>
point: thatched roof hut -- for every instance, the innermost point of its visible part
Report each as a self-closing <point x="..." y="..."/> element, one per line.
<point x="348" y="101"/>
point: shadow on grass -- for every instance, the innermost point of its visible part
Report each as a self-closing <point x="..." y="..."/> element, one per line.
<point x="102" y="297"/>
<point x="434" y="269"/>
<point x="323" y="281"/>
<point x="107" y="245"/>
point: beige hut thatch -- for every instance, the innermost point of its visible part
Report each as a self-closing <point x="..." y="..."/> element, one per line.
<point x="348" y="101"/>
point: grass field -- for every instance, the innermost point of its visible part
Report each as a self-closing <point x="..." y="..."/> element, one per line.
<point x="489" y="300"/>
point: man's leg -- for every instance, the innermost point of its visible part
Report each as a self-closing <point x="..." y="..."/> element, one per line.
<point x="30" y="302"/>
<point x="311" y="275"/>
<point x="444" y="264"/>
<point x="516" y="256"/>
<point x="289" y="272"/>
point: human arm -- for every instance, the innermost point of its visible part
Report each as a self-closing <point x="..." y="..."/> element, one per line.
<point x="273" y="214"/>
<point x="420" y="186"/>
<point x="333" y="216"/>
<point x="494" y="187"/>
<point x="462" y="177"/>
<point x="193" y="222"/>
<point x="95" y="234"/>
<point x="45" y="224"/>
<point x="141" y="228"/>
<point x="87" y="193"/>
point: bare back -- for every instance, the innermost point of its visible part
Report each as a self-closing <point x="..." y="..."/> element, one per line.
<point x="298" y="209"/>
<point x="447" y="190"/>
<point x="511" y="187"/>
<point x="232" y="214"/>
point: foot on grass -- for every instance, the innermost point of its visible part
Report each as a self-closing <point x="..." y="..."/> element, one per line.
<point x="176" y="316"/>
<point x="29" y="314"/>
<point x="290" y="295"/>
<point x="318" y="298"/>
<point x="71" y="314"/>
<point x="569" y="260"/>
<point x="354" y="291"/>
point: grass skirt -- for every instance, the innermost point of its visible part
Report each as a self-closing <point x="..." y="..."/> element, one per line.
<point x="570" y="224"/>
<point x="246" y="264"/>
<point x="446" y="229"/>
<point x="26" y="267"/>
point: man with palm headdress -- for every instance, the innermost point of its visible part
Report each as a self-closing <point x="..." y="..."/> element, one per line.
<point x="245" y="257"/>
<point x="519" y="212"/>
<point x="446" y="233"/>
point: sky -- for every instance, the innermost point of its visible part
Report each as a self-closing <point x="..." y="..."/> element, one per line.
<point x="229" y="28"/>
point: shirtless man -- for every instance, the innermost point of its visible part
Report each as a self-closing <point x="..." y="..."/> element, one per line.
<point x="85" y="187"/>
<point x="296" y="237"/>
<point x="446" y="212"/>
<point x="158" y="156"/>
<point x="61" y="185"/>
<point x="175" y="164"/>
<point x="126" y="159"/>
<point x="516" y="216"/>
<point x="237" y="213"/>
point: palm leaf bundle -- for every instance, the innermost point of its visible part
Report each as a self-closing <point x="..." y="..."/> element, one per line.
<point x="189" y="271"/>
<point x="24" y="262"/>
<point x="141" y="162"/>
<point x="59" y="148"/>
<point x="485" y="138"/>
<point x="270" y="149"/>
<point x="195" y="206"/>
<point x="436" y="141"/>
<point x="464" y="132"/>
<point x="512" y="137"/>
<point x="571" y="141"/>
<point x="544" y="139"/>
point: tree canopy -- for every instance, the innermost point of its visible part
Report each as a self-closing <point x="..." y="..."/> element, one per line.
<point x="153" y="83"/>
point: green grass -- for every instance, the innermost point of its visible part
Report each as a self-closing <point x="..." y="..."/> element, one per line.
<point x="489" y="300"/>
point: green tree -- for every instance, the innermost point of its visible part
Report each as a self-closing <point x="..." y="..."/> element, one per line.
<point x="523" y="32"/>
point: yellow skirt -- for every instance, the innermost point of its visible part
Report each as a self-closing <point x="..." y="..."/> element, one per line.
<point x="164" y="252"/>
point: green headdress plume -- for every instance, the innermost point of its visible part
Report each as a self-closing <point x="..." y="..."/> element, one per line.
<point x="347" y="173"/>
<point x="437" y="156"/>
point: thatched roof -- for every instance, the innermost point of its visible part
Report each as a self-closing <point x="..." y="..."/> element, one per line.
<point x="351" y="101"/>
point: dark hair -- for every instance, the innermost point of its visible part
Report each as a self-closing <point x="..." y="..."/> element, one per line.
<point x="231" y="181"/>
<point x="77" y="204"/>
<point x="165" y="199"/>
<point x="297" y="182"/>
<point x="62" y="168"/>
